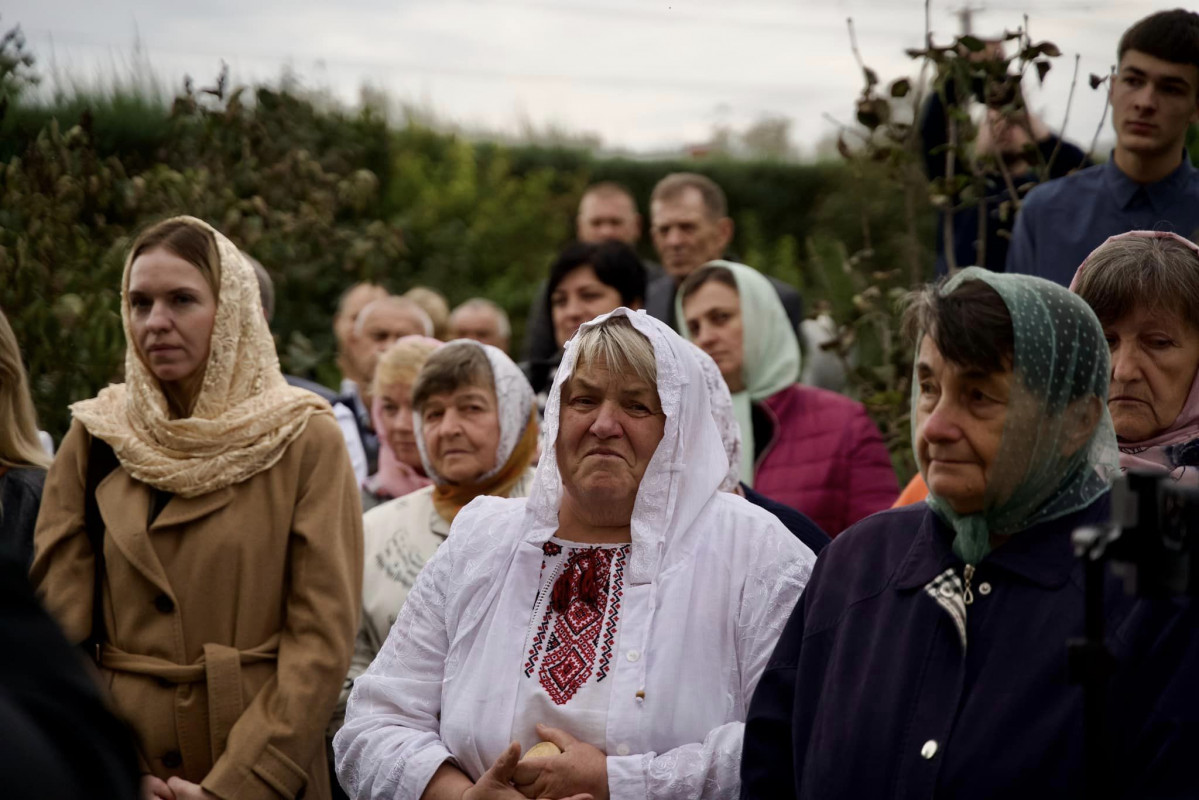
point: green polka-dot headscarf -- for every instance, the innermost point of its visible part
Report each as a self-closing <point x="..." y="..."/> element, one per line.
<point x="1060" y="359"/>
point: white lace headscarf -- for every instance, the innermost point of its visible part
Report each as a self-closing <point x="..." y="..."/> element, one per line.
<point x="244" y="416"/>
<point x="514" y="403"/>
<point x="685" y="471"/>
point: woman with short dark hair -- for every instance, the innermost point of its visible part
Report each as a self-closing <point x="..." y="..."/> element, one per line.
<point x="927" y="656"/>
<point x="586" y="280"/>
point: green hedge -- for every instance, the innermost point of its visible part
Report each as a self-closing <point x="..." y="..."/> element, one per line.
<point x="326" y="198"/>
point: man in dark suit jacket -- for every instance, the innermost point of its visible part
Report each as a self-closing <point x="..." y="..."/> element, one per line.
<point x="690" y="226"/>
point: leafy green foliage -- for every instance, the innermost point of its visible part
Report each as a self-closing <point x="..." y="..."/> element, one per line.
<point x="325" y="198"/>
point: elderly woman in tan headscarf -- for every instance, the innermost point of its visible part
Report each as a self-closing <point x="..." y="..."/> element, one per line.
<point x="201" y="534"/>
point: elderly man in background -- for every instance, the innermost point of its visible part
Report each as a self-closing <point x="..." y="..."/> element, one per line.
<point x="483" y="321"/>
<point x="607" y="212"/>
<point x="349" y="306"/>
<point x="690" y="226"/>
<point x="379" y="324"/>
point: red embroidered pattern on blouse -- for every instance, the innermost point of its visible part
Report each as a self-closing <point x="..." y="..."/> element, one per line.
<point x="578" y="612"/>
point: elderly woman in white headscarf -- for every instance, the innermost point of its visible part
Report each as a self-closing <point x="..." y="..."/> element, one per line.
<point x="201" y="532"/>
<point x="623" y="612"/>
<point x="475" y="427"/>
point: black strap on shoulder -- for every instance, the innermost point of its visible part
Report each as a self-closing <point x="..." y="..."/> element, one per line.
<point x="101" y="461"/>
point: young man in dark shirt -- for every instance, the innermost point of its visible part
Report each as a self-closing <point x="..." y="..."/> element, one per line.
<point x="1149" y="183"/>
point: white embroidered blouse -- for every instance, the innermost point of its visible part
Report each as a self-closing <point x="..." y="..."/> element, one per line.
<point x="706" y="587"/>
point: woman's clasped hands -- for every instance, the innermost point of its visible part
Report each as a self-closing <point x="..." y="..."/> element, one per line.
<point x="580" y="772"/>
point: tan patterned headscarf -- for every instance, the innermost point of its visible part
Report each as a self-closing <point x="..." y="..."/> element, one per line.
<point x="243" y="418"/>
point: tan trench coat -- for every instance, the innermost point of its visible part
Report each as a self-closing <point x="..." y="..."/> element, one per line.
<point x="230" y="619"/>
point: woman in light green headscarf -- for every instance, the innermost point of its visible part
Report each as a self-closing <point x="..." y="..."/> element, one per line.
<point x="809" y="448"/>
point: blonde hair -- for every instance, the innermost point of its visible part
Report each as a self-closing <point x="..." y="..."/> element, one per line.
<point x="19" y="443"/>
<point x="402" y="362"/>
<point x="620" y="346"/>
<point x="435" y="305"/>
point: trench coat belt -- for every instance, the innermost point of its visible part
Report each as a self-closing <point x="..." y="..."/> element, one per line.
<point x="219" y="667"/>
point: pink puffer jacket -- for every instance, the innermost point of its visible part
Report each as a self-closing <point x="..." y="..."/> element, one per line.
<point x="826" y="458"/>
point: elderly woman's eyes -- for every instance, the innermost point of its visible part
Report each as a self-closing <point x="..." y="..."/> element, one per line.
<point x="582" y="401"/>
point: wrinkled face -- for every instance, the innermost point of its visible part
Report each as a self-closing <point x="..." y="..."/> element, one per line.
<point x="580" y="297"/>
<point x="686" y="235"/>
<point x="960" y="414"/>
<point x="382" y="326"/>
<point x="611" y="424"/>
<point x="395" y="415"/>
<point x="713" y="317"/>
<point x="479" y="324"/>
<point x="1155" y="355"/>
<point x="605" y="217"/>
<point x="462" y="432"/>
<point x="1153" y="103"/>
<point x="171" y="311"/>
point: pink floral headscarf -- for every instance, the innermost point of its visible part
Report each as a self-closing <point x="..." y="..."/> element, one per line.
<point x="1159" y="452"/>
<point x="394" y="478"/>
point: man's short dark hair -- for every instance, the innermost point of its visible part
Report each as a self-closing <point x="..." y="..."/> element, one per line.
<point x="971" y="325"/>
<point x="673" y="185"/>
<point x="609" y="189"/>
<point x="1168" y="35"/>
<point x="614" y="264"/>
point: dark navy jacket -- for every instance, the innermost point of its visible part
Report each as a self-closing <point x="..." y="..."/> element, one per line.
<point x="799" y="523"/>
<point x="871" y="694"/>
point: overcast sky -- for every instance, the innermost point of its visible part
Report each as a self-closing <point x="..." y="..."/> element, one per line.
<point x="642" y="74"/>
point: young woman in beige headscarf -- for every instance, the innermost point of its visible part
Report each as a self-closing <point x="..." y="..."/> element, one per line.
<point x="230" y="577"/>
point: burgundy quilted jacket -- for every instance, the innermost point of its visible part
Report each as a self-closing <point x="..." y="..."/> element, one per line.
<point x="826" y="458"/>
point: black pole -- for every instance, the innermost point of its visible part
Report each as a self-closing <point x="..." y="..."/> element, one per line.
<point x="1095" y="682"/>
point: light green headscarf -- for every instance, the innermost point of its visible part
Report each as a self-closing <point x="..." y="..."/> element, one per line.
<point x="771" y="351"/>
<point x="1060" y="355"/>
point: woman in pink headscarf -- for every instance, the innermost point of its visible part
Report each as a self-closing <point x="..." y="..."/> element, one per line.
<point x="1144" y="287"/>
<point x="400" y="468"/>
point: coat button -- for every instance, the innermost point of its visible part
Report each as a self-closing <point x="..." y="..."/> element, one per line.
<point x="929" y="750"/>
<point x="164" y="604"/>
<point x="171" y="759"/>
<point x="984" y="588"/>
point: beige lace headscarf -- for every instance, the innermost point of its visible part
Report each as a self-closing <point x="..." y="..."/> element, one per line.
<point x="244" y="416"/>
